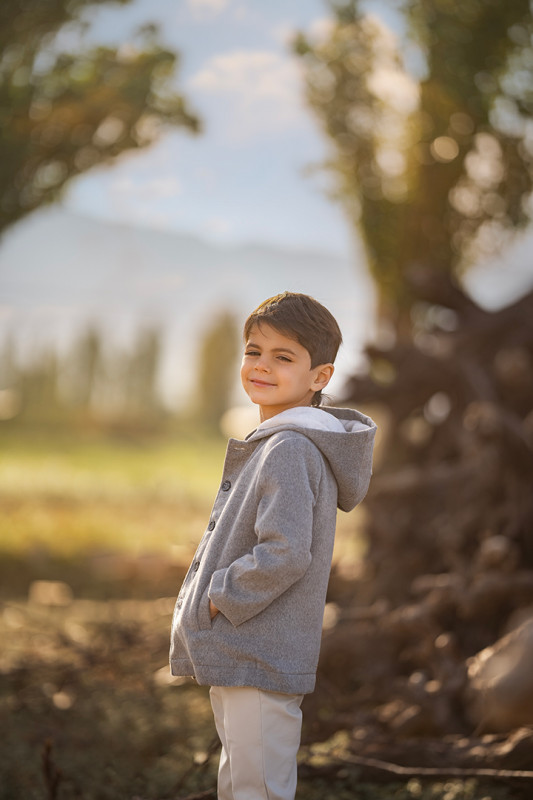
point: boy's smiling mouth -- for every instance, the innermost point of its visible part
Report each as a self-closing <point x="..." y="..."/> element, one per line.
<point x="258" y="382"/>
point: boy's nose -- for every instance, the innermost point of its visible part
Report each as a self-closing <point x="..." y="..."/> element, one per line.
<point x="262" y="365"/>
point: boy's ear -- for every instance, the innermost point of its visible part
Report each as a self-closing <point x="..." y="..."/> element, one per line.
<point x="323" y="375"/>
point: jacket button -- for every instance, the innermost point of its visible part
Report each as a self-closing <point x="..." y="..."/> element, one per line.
<point x="226" y="486"/>
<point x="211" y="525"/>
<point x="196" y="566"/>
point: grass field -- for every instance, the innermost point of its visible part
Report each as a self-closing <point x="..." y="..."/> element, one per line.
<point x="99" y="512"/>
<point x="95" y="535"/>
<point x="73" y="495"/>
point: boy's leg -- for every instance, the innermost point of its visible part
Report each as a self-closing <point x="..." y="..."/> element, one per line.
<point x="224" y="775"/>
<point x="260" y="736"/>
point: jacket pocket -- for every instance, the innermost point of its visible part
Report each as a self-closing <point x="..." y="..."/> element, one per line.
<point x="203" y="613"/>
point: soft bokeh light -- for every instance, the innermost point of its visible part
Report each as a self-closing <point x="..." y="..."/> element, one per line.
<point x="158" y="182"/>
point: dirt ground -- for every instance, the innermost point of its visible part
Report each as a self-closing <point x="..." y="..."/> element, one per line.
<point x="88" y="711"/>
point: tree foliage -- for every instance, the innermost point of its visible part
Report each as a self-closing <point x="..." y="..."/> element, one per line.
<point x="216" y="378"/>
<point x="62" y="113"/>
<point x="91" y="383"/>
<point x="433" y="165"/>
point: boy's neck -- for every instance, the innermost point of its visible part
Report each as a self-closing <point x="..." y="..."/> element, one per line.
<point x="266" y="413"/>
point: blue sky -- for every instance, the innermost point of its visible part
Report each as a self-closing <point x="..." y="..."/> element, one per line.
<point x="243" y="180"/>
<point x="246" y="177"/>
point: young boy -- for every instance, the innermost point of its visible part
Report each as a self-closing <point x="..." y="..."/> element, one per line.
<point x="248" y="618"/>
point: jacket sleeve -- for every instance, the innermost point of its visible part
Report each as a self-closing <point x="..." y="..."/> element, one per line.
<point x="287" y="486"/>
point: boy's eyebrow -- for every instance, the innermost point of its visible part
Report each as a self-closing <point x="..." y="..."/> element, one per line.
<point x="274" y="350"/>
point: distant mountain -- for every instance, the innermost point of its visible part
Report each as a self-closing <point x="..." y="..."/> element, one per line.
<point x="60" y="271"/>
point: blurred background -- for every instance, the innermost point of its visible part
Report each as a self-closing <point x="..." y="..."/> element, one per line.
<point x="165" y="167"/>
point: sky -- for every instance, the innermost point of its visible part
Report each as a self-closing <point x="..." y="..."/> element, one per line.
<point x="254" y="175"/>
<point x="251" y="177"/>
<point x="246" y="177"/>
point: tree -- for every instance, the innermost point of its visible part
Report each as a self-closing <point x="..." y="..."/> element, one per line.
<point x="82" y="369"/>
<point x="38" y="394"/>
<point x="141" y="375"/>
<point x="216" y="370"/>
<point x="63" y="113"/>
<point x="435" y="170"/>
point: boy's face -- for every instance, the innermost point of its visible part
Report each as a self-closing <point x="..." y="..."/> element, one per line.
<point x="276" y="372"/>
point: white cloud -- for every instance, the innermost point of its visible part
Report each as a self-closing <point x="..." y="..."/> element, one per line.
<point x="219" y="226"/>
<point x="260" y="89"/>
<point x="163" y="187"/>
<point x="238" y="71"/>
<point x="207" y="9"/>
<point x="137" y="199"/>
<point x="152" y="189"/>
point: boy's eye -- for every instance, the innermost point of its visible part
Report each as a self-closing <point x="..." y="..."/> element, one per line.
<point x="284" y="358"/>
<point x="251" y="353"/>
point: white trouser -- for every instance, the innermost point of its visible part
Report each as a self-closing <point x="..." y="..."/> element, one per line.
<point x="260" y="734"/>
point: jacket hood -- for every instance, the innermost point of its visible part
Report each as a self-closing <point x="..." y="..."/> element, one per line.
<point x="346" y="442"/>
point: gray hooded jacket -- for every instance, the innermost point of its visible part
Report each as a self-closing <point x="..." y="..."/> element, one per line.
<point x="265" y="557"/>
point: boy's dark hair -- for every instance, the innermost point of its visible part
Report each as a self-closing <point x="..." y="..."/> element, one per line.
<point x="303" y="318"/>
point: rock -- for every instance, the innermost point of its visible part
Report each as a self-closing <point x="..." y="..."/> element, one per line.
<point x="499" y="691"/>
